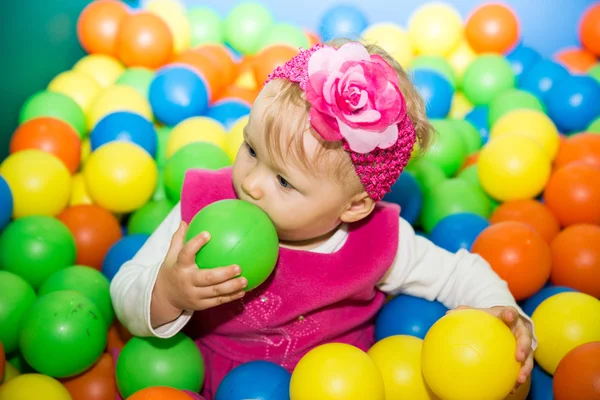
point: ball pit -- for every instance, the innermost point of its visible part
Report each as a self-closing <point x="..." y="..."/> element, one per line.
<point x="407" y="315"/>
<point x="105" y="70"/>
<point x="255" y="379"/>
<point x="77" y="85"/>
<point x="124" y="126"/>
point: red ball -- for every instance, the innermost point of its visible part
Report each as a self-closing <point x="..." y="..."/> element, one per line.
<point x="144" y="40"/>
<point x="578" y="374"/>
<point x="589" y="30"/>
<point x="97" y="383"/>
<point x="492" y="28"/>
<point x="98" y="26"/>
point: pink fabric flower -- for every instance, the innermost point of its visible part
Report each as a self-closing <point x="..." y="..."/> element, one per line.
<point x="354" y="96"/>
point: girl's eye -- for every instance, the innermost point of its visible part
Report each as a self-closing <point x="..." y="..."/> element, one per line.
<point x="285" y="184"/>
<point x="251" y="151"/>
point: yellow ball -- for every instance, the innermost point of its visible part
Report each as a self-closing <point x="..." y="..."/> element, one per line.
<point x="470" y="355"/>
<point x="513" y="167"/>
<point x="40" y="183"/>
<point x="461" y="106"/>
<point x="195" y="129"/>
<point x="563" y="322"/>
<point x="399" y="360"/>
<point x="235" y="137"/>
<point x="174" y="15"/>
<point x="10" y="372"/>
<point x="102" y="68"/>
<point x="531" y="123"/>
<point x="336" y="371"/>
<point x="393" y="39"/>
<point x="118" y="98"/>
<point x="79" y="193"/>
<point x="120" y="176"/>
<point x="460" y="58"/>
<point x="33" y="386"/>
<point x="79" y="86"/>
<point x="86" y="149"/>
<point x="435" y="29"/>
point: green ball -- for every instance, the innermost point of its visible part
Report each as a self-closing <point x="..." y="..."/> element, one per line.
<point x="138" y="78"/>
<point x="594" y="126"/>
<point x="150" y="361"/>
<point x="594" y="72"/>
<point x="207" y="27"/>
<point x="285" y="34"/>
<point x="57" y="105"/>
<point x="146" y="219"/>
<point x="486" y="77"/>
<point x="469" y="134"/>
<point x="452" y="197"/>
<point x="16" y="296"/>
<point x="202" y="155"/>
<point x="427" y="174"/>
<point x="35" y="247"/>
<point x="163" y="134"/>
<point x="513" y="99"/>
<point x="246" y="25"/>
<point x="63" y="334"/>
<point x="447" y="150"/>
<point x="85" y="280"/>
<point x="240" y="234"/>
<point x="437" y="64"/>
<point x="160" y="193"/>
<point x="470" y="175"/>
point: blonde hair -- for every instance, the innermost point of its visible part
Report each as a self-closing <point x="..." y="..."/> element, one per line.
<point x="282" y="116"/>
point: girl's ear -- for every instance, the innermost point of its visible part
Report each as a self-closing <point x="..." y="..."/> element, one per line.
<point x="360" y="207"/>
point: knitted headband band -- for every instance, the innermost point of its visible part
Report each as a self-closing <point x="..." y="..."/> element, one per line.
<point x="354" y="97"/>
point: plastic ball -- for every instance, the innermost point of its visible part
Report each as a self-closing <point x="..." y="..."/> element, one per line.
<point x="97" y="383"/>
<point x="342" y="21"/>
<point x="237" y="92"/>
<point x="125" y="126"/>
<point x="118" y="98"/>
<point x="574" y="103"/>
<point x="207" y="70"/>
<point x="576" y="60"/>
<point x="16" y="296"/>
<point x="589" y="33"/>
<point x="532" y="303"/>
<point x="542" y="77"/>
<point x="6" y="203"/>
<point x="470" y="354"/>
<point x="486" y="77"/>
<point x="55" y="105"/>
<point x="61" y="347"/>
<point x="531" y="123"/>
<point x="194" y="155"/>
<point x="460" y="107"/>
<point x="99" y="24"/>
<point x="407" y="315"/>
<point x="284" y="34"/>
<point x="120" y="176"/>
<point x="235" y="138"/>
<point x="33" y="386"/>
<point x="582" y="147"/>
<point x="79" y="86"/>
<point x="121" y="252"/>
<point x="206" y="27"/>
<point x="145" y="362"/>
<point x="460" y="58"/>
<point x="522" y="59"/>
<point x="163" y="133"/>
<point x="530" y="212"/>
<point x="479" y="117"/>
<point x="79" y="193"/>
<point x="393" y="39"/>
<point x="492" y="28"/>
<point x="563" y="322"/>
<point x="471" y="175"/>
<point x="398" y="358"/>
<point x="573" y="194"/>
<point x="408" y="195"/>
<point x="245" y="26"/>
<point x="576" y="259"/>
<point x="469" y="135"/>
<point x="196" y="129"/>
<point x="227" y="112"/>
<point x="578" y="372"/>
<point x="241" y="234"/>
<point x="269" y="59"/>
<point x="428" y="175"/>
<point x="160" y="393"/>
<point x="149" y="217"/>
<point x="255" y="379"/>
<point x="510" y="100"/>
<point x="594" y="127"/>
<point x="518" y="254"/>
<point x="541" y="384"/>
<point x="448" y="150"/>
<point x="594" y="72"/>
<point x="435" y="29"/>
<point x="174" y="14"/>
<point x="458" y="231"/>
<point x="105" y="70"/>
<point x="436" y="91"/>
<point x="437" y="64"/>
<point x="336" y="371"/>
<point x="138" y="78"/>
<point x="144" y="40"/>
<point x="222" y="59"/>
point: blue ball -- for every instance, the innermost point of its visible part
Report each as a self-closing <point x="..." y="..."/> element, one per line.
<point x="125" y="126"/>
<point x="121" y="252"/>
<point x="574" y="103"/>
<point x="407" y="193"/>
<point x="6" y="203"/>
<point x="407" y="315"/>
<point x="436" y="91"/>
<point x="262" y="380"/>
<point x="458" y="231"/>
<point x="541" y="385"/>
<point x="522" y="59"/>
<point x="534" y="301"/>
<point x="177" y="93"/>
<point x="542" y="77"/>
<point x="479" y="118"/>
<point x="227" y="112"/>
<point x="342" y="21"/>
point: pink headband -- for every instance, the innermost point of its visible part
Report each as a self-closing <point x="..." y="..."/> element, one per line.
<point x="355" y="98"/>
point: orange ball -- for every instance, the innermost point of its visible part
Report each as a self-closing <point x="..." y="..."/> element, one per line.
<point x="98" y="26"/>
<point x="492" y="28"/>
<point x="518" y="254"/>
<point x="589" y="30"/>
<point x="95" y="230"/>
<point x="313" y="38"/>
<point x="576" y="60"/>
<point x="270" y="58"/>
<point x="97" y="383"/>
<point x="206" y="67"/>
<point x="52" y="136"/>
<point x="222" y="60"/>
<point x="236" y="92"/>
<point x="584" y="147"/>
<point x="470" y="160"/>
<point x="578" y="374"/>
<point x="144" y="40"/>
<point x="576" y="259"/>
<point x="573" y="194"/>
<point x="530" y="212"/>
<point x="159" y="393"/>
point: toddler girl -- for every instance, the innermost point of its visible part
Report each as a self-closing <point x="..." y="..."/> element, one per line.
<point x="327" y="137"/>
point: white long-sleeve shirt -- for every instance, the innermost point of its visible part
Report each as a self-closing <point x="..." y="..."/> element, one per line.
<point x="420" y="269"/>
